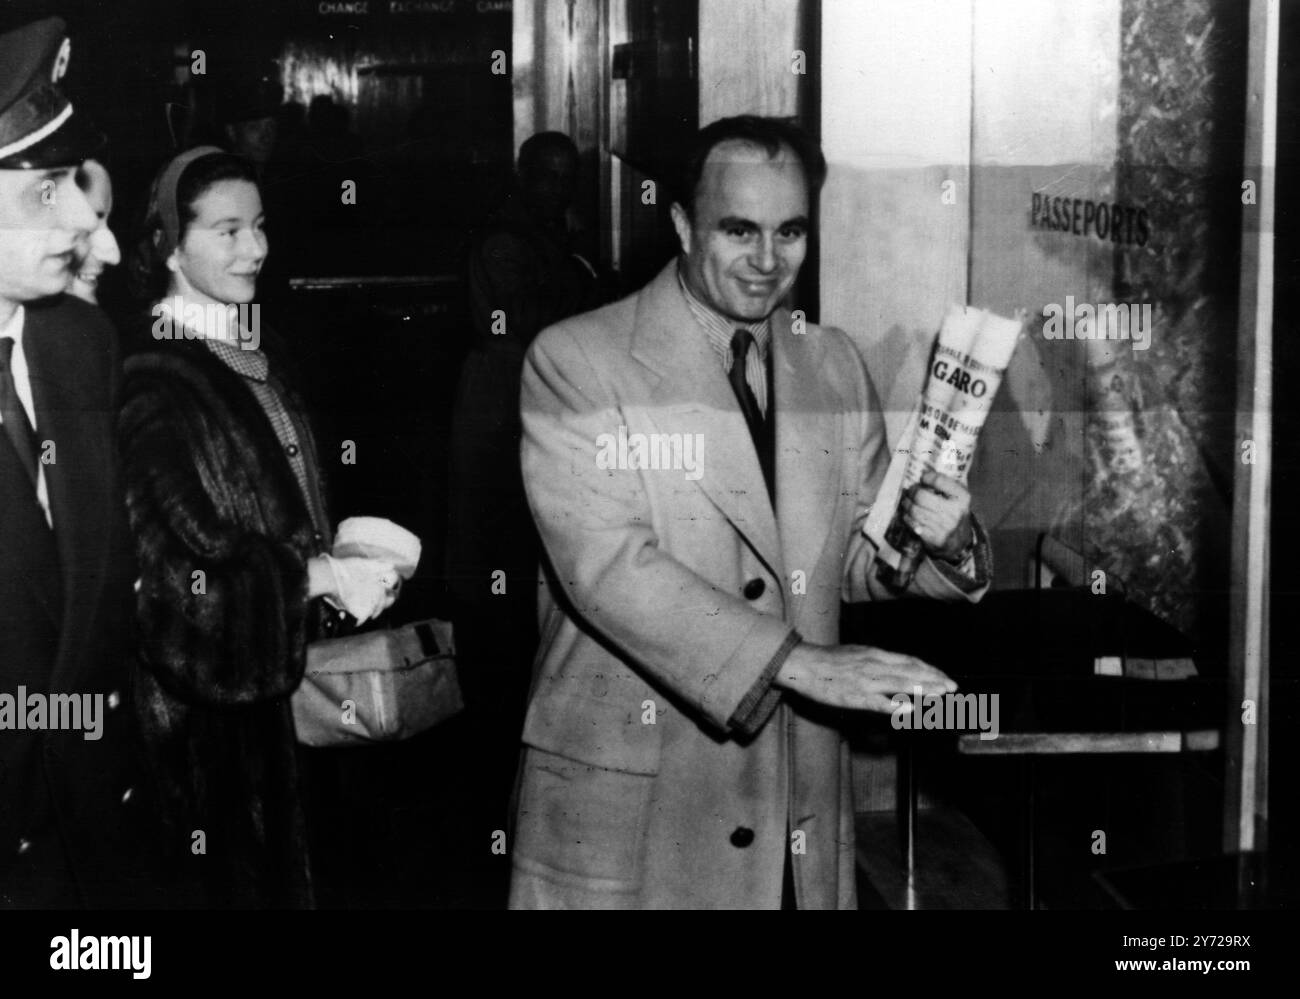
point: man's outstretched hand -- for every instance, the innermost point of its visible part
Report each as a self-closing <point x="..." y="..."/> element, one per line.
<point x="861" y="677"/>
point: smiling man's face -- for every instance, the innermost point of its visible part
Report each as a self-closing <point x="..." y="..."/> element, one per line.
<point x="45" y="221"/>
<point x="743" y="249"/>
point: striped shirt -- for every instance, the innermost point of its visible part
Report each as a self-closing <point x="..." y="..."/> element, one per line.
<point x="720" y="330"/>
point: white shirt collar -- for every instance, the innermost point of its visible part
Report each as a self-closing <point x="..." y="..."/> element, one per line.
<point x="14" y="327"/>
<point x="205" y="320"/>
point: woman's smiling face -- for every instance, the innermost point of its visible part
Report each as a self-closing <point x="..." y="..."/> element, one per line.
<point x="223" y="248"/>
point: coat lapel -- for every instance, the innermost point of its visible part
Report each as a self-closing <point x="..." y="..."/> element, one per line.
<point x="77" y="479"/>
<point x="692" y="396"/>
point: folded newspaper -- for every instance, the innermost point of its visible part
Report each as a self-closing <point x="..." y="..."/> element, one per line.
<point x="967" y="362"/>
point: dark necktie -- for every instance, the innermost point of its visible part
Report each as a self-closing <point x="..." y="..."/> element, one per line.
<point x="17" y="428"/>
<point x="760" y="428"/>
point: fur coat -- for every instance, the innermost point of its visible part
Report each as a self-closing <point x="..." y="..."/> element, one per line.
<point x="222" y="536"/>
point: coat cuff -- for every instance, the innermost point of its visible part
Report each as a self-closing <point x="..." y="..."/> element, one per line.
<point x="758" y="705"/>
<point x="976" y="570"/>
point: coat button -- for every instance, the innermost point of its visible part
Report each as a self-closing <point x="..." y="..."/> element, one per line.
<point x="114" y="700"/>
<point x="24" y="845"/>
<point x="293" y="450"/>
<point x="742" y="836"/>
<point x="754" y="589"/>
<point x="127" y="795"/>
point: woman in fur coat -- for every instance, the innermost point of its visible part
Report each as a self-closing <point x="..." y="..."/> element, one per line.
<point x="224" y="492"/>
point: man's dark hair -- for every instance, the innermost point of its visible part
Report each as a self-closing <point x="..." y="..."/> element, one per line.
<point x="769" y="134"/>
<point x="537" y="146"/>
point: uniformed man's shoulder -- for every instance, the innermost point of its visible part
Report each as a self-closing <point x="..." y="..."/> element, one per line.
<point x="73" y="330"/>
<point x="71" y="312"/>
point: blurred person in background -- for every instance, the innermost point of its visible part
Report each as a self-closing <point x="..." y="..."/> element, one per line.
<point x="523" y="276"/>
<point x="248" y="106"/>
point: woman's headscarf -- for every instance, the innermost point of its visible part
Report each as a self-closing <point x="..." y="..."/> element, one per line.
<point x="168" y="182"/>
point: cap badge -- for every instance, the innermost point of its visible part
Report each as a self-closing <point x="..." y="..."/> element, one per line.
<point x="61" y="61"/>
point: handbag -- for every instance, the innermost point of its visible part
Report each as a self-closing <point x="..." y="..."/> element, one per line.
<point x="376" y="686"/>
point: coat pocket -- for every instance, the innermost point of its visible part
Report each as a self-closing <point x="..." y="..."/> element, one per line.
<point x="581" y="824"/>
<point x="609" y="732"/>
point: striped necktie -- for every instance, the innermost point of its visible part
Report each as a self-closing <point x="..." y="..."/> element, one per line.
<point x="760" y="429"/>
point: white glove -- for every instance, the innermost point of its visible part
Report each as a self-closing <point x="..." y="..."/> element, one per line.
<point x="375" y="537"/>
<point x="364" y="587"/>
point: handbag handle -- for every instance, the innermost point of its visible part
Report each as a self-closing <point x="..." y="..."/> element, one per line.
<point x="428" y="641"/>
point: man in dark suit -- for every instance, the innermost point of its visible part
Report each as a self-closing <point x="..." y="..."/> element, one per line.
<point x="69" y="805"/>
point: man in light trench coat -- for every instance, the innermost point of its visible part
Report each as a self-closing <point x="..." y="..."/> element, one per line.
<point x="700" y="468"/>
